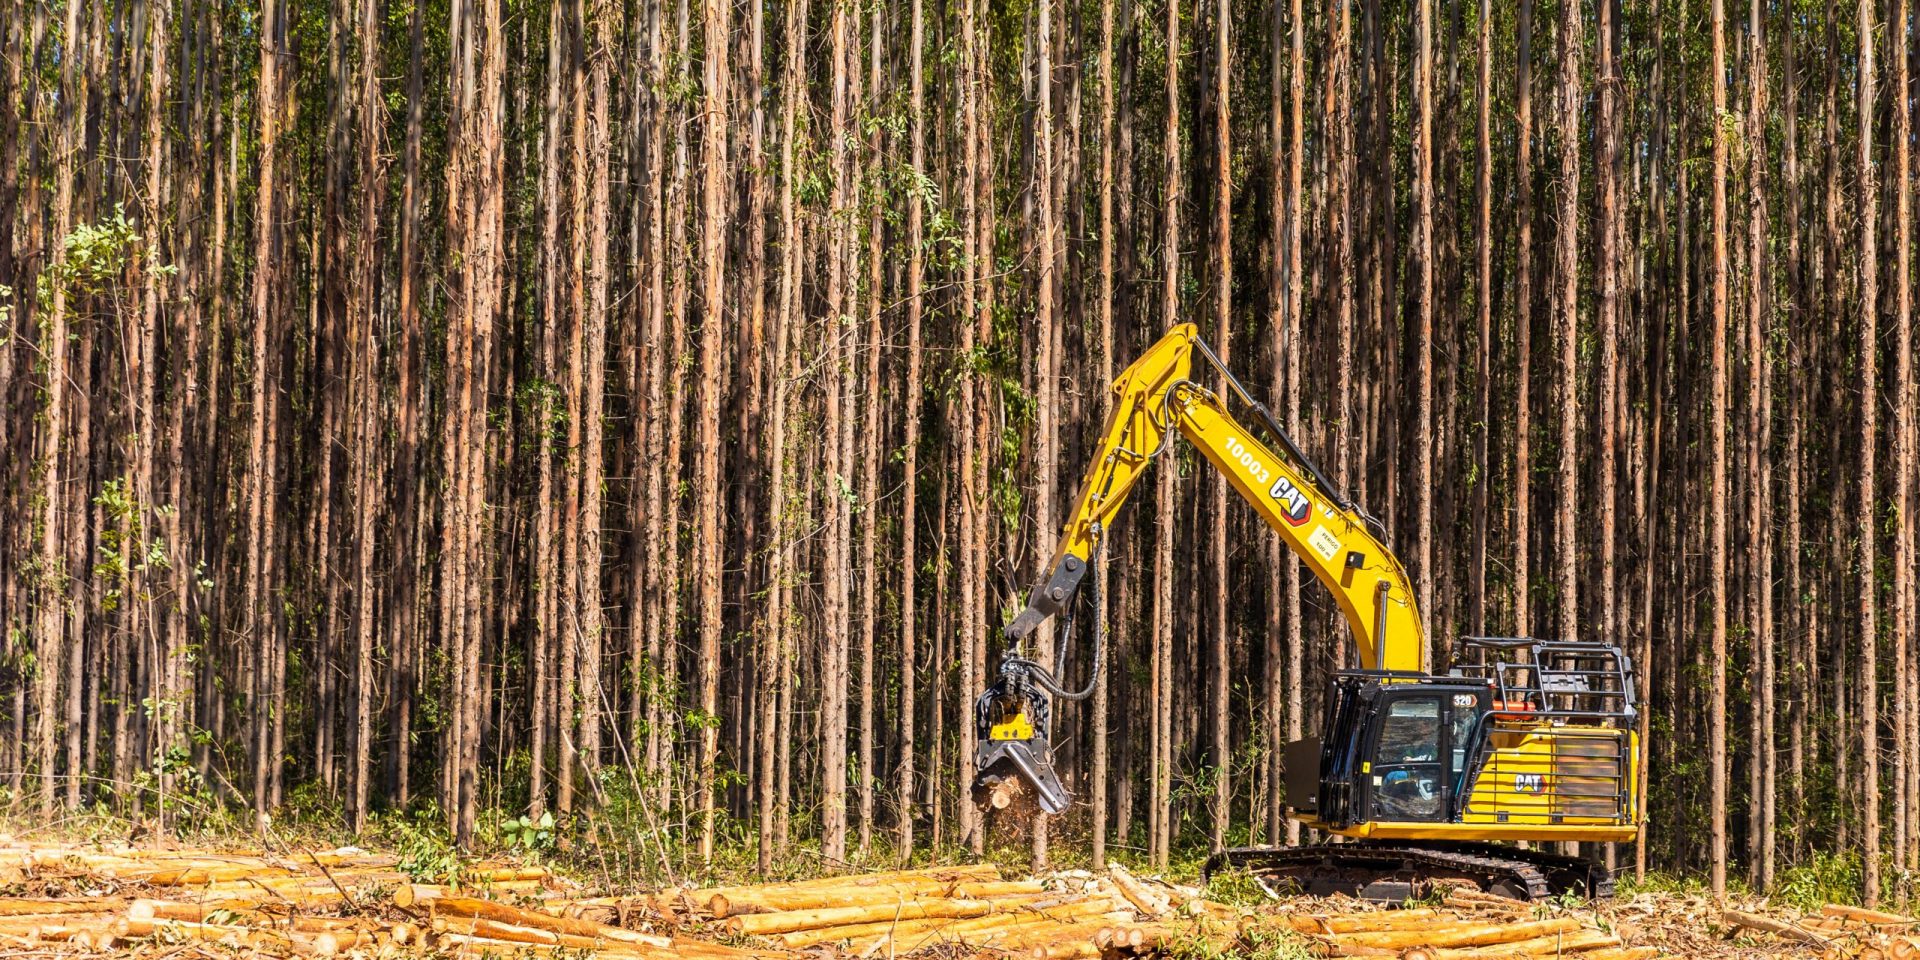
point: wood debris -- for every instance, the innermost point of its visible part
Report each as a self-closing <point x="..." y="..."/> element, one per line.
<point x="75" y="902"/>
<point x="1847" y="933"/>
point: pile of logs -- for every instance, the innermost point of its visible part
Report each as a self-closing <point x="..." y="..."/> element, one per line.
<point x="1467" y="925"/>
<point x="352" y="903"/>
<point x="889" y="914"/>
<point x="1841" y="932"/>
<point x="310" y="903"/>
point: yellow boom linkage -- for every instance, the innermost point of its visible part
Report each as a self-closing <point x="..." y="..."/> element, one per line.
<point x="1155" y="396"/>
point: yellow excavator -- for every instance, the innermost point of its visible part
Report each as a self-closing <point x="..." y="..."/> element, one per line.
<point x="1423" y="777"/>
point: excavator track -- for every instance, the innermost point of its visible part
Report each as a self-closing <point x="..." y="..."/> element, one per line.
<point x="1395" y="872"/>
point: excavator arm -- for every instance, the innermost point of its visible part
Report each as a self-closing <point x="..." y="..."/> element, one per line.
<point x="1343" y="547"/>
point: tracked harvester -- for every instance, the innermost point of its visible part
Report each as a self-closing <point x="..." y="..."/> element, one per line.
<point x="1426" y="776"/>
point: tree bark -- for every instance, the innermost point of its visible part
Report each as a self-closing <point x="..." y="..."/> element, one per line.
<point x="1869" y="265"/>
<point x="1760" y="475"/>
<point x="260" y="488"/>
<point x="913" y="401"/>
<point x="833" y="791"/>
<point x="1906" y="673"/>
<point x="1567" y="235"/>
<point x="1483" y="295"/>
<point x="1523" y="329"/>
<point x="1222" y="748"/>
<point x="1717" y="346"/>
<point x="870" y="448"/>
<point x="1423" y="440"/>
<point x="1164" y="510"/>
<point x="1102" y="690"/>
<point x="370" y="478"/>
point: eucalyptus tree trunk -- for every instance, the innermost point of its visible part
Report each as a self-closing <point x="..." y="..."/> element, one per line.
<point x="1868" y="205"/>
<point x="1717" y="424"/>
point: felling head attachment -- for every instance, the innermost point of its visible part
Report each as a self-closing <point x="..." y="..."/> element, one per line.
<point x="1013" y="753"/>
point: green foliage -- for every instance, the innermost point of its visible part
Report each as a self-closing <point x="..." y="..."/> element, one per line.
<point x="426" y="849"/>
<point x="1825" y="878"/>
<point x="223" y="915"/>
<point x="1260" y="941"/>
<point x="124" y="548"/>
<point x="96" y="255"/>
<point x="1236" y="887"/>
<point x="1563" y="902"/>
<point x="543" y="409"/>
<point x="524" y="834"/>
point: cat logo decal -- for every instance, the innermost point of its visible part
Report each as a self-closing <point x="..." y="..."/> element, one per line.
<point x="1293" y="501"/>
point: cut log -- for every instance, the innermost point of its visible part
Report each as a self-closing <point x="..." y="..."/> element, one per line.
<point x="952" y="874"/>
<point x="980" y="931"/>
<point x="1036" y="934"/>
<point x="1354" y="950"/>
<point x="763" y="924"/>
<point x="994" y="889"/>
<point x="1753" y="921"/>
<point x="613" y="910"/>
<point x="860" y="932"/>
<point x="1455" y="935"/>
<point x="514" y="933"/>
<point x="200" y="910"/>
<point x="60" y="932"/>
<point x="1143" y="899"/>
<point x="331" y="942"/>
<point x="1066" y="950"/>
<point x="215" y="933"/>
<point x="942" y="882"/>
<point x="468" y="945"/>
<point x="1133" y="936"/>
<point x="1418" y="918"/>
<point x="1622" y="953"/>
<point x="516" y="916"/>
<point x="1863" y="915"/>
<point x="26" y="907"/>
<point x="199" y="875"/>
<point x="1548" y="946"/>
<point x="721" y="906"/>
<point x="417" y="894"/>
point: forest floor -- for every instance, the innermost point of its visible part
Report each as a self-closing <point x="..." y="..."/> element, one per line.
<point x="152" y="901"/>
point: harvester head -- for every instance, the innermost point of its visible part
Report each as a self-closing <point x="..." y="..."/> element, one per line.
<point x="1013" y="756"/>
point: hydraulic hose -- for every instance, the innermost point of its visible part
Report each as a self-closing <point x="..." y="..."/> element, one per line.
<point x="1063" y="643"/>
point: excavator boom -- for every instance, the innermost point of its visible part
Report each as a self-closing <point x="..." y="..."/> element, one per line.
<point x="1342" y="546"/>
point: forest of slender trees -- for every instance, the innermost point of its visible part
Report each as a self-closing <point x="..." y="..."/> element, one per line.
<point x="653" y="408"/>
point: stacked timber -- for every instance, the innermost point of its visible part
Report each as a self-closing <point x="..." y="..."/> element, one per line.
<point x="300" y="876"/>
<point x="1841" y="932"/>
<point x="894" y="913"/>
<point x="351" y="903"/>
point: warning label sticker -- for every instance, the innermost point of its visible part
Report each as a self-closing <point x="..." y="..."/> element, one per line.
<point x="1323" y="543"/>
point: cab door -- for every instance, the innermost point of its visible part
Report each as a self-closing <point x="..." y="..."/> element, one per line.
<point x="1408" y="776"/>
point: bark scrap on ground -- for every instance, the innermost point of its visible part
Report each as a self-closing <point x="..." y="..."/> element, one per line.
<point x="70" y="901"/>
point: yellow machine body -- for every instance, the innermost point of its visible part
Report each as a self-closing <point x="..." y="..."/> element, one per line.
<point x="1537" y="782"/>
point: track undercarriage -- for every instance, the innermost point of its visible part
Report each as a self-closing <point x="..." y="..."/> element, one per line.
<point x="1393" y="872"/>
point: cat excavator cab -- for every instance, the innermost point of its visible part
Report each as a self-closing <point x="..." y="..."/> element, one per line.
<point x="1425" y="777"/>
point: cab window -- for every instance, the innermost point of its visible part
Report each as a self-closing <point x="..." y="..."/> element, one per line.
<point x="1407" y="769"/>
